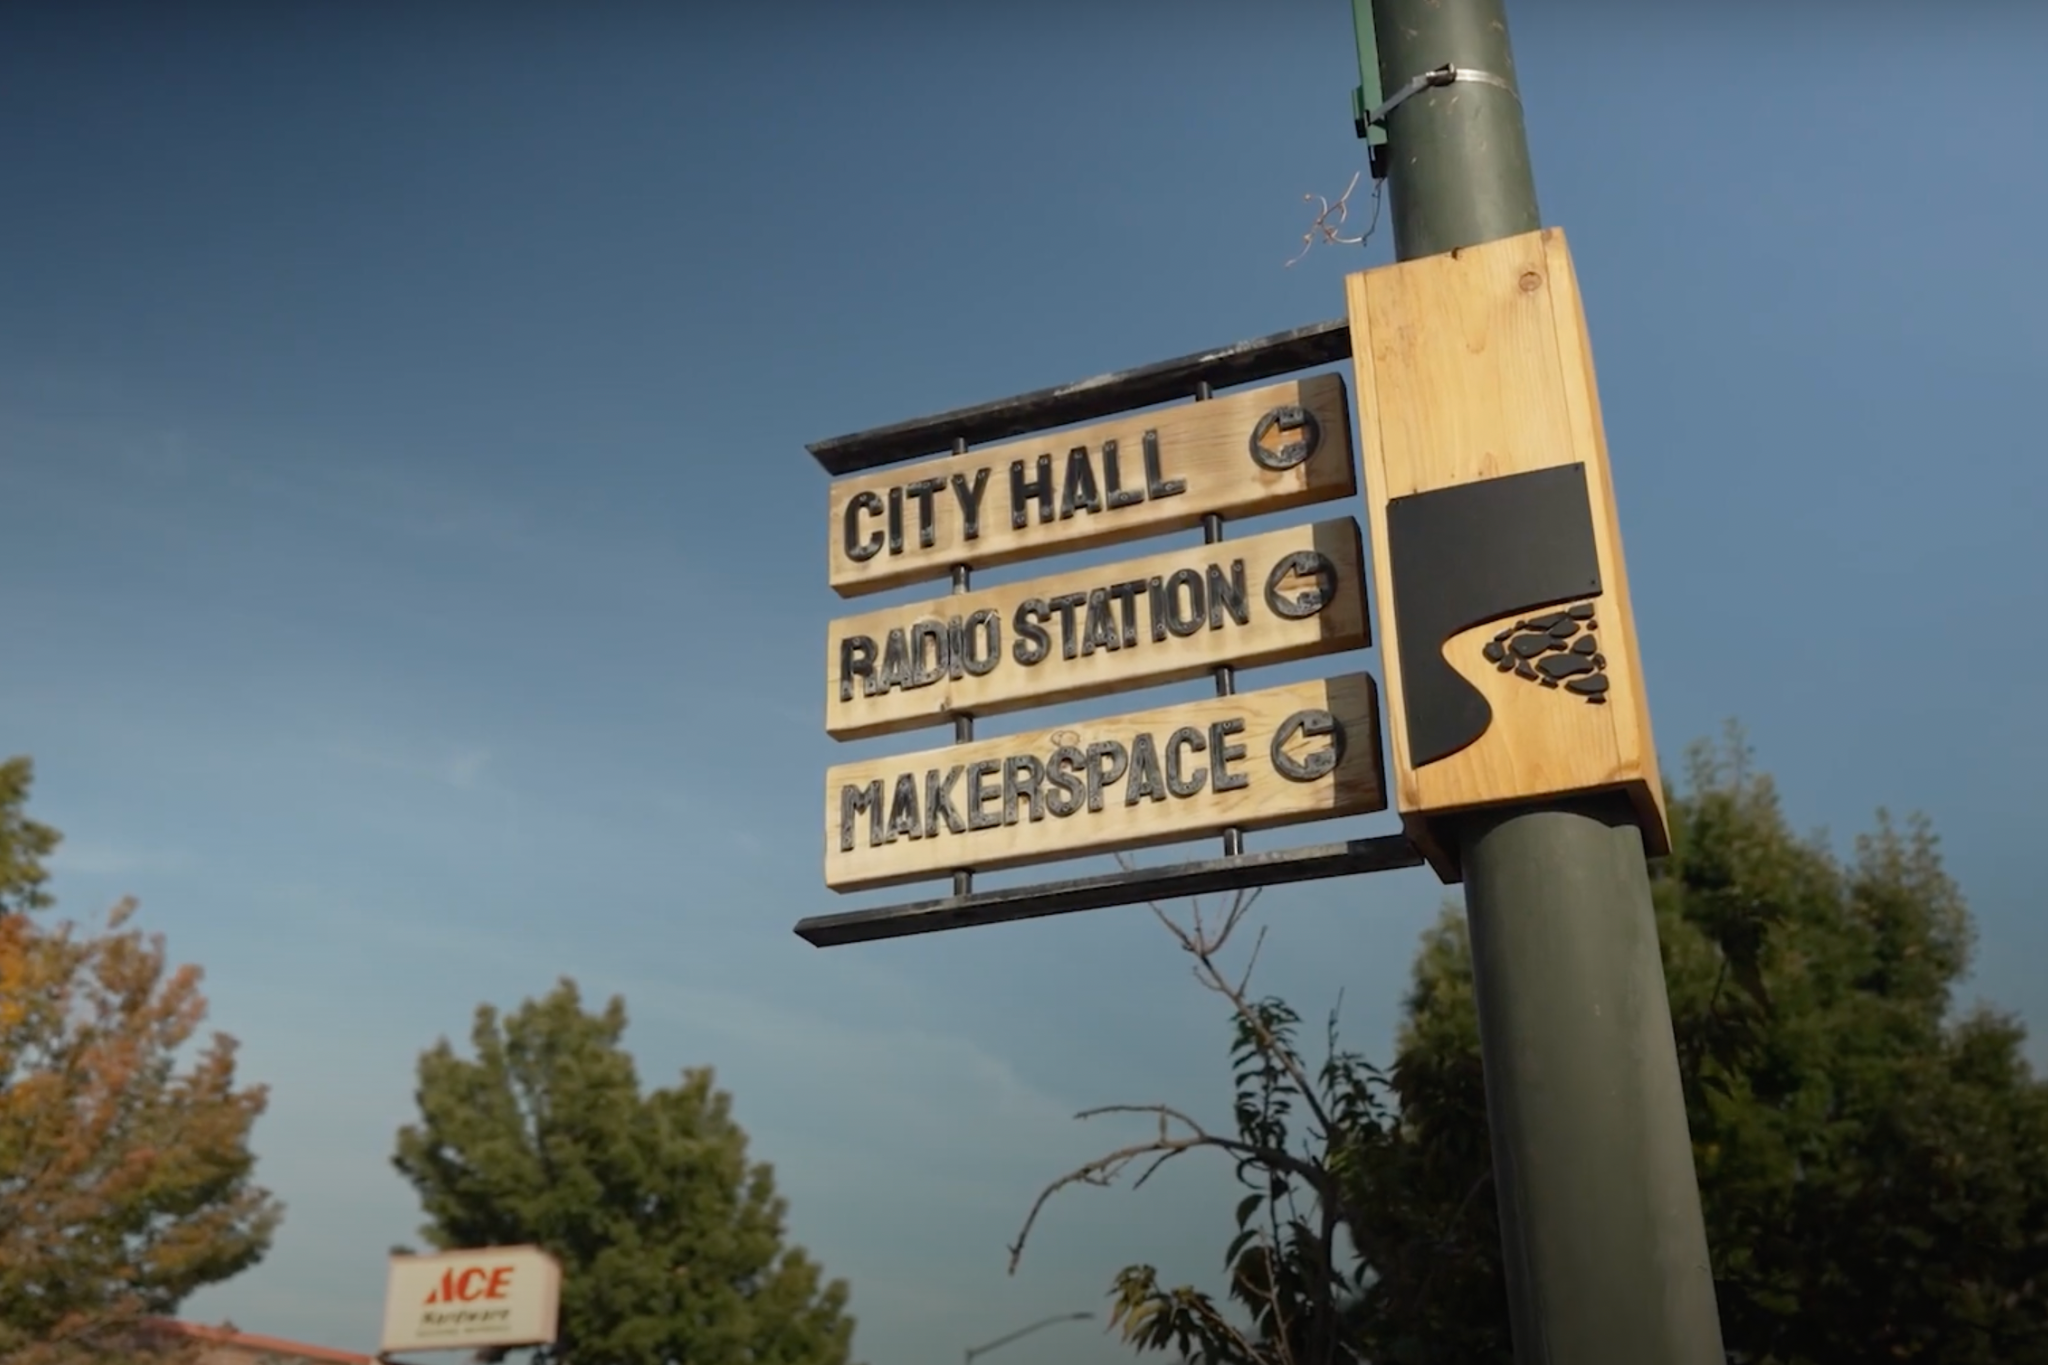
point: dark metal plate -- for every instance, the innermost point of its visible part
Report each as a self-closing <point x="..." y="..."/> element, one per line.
<point x="1311" y="862"/>
<point x="1245" y="362"/>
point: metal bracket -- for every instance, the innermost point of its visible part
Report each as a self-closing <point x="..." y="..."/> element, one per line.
<point x="1448" y="74"/>
<point x="1233" y="872"/>
<point x="1167" y="381"/>
<point x="1366" y="94"/>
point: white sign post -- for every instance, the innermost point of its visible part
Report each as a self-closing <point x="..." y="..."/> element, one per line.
<point x="471" y="1300"/>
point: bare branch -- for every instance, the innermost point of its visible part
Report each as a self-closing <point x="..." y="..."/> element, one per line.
<point x="1272" y="1249"/>
<point x="1166" y="1113"/>
<point x="1244" y="982"/>
<point x="1157" y="1162"/>
<point x="1103" y="1170"/>
<point x="1178" y="1132"/>
<point x="1211" y="976"/>
<point x="1223" y="1327"/>
<point x="1240" y="906"/>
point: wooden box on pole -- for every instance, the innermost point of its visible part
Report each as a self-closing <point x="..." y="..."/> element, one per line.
<point x="1508" y="644"/>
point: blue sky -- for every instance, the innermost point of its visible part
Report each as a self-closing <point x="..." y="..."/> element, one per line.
<point x="415" y="574"/>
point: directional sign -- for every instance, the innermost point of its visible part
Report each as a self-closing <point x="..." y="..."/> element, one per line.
<point x="1310" y="751"/>
<point x="1264" y="599"/>
<point x="1512" y="667"/>
<point x="1239" y="455"/>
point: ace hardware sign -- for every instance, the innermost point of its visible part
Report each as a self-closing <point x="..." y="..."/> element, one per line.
<point x="472" y="1300"/>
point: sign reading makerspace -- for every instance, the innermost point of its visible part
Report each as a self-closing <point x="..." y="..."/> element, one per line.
<point x="1243" y="454"/>
<point x="1309" y="751"/>
<point x="496" y="1296"/>
<point x="1265" y="599"/>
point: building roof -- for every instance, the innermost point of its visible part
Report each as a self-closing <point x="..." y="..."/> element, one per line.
<point x="227" y="1344"/>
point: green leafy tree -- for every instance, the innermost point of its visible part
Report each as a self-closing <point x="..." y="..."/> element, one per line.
<point x="671" y="1241"/>
<point x="1873" y="1161"/>
<point x="125" y="1170"/>
<point x="24" y="843"/>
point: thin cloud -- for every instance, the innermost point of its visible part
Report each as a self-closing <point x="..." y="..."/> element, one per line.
<point x="91" y="859"/>
<point x="350" y="486"/>
<point x="462" y="769"/>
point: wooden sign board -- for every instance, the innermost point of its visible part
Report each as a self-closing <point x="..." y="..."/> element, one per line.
<point x="1263" y="599"/>
<point x="1310" y="751"/>
<point x="1240" y="455"/>
<point x="1507" y="638"/>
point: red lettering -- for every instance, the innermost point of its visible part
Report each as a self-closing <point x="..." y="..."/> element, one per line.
<point x="472" y="1284"/>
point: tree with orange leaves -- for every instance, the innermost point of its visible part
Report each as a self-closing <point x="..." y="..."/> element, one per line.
<point x="125" y="1169"/>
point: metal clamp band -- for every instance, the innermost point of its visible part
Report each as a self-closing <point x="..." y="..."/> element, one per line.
<point x="1447" y="74"/>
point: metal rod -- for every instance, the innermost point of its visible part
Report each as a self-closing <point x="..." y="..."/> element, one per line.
<point x="1226" y="676"/>
<point x="963" y="721"/>
<point x="1604" y="1247"/>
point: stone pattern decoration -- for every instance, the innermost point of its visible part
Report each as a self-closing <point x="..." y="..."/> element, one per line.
<point x="1472" y="554"/>
<point x="1557" y="649"/>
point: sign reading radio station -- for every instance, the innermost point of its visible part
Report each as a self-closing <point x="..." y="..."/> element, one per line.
<point x="497" y="1296"/>
<point x="1265" y="599"/>
<point x="1242" y="454"/>
<point x="1257" y="760"/>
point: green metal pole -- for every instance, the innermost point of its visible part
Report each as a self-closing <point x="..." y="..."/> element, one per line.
<point x="1604" y="1245"/>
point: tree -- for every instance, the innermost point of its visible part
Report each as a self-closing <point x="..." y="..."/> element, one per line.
<point x="125" y="1177"/>
<point x="1873" y="1162"/>
<point x="671" y="1242"/>
<point x="24" y="843"/>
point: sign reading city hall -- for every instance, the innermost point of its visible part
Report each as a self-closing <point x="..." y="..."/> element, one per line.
<point x="1255" y="760"/>
<point x="1241" y="455"/>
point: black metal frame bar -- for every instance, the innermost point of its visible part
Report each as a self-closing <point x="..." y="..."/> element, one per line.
<point x="963" y="722"/>
<point x="1311" y="862"/>
<point x="1224" y="674"/>
<point x="1198" y="375"/>
<point x="1321" y="343"/>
